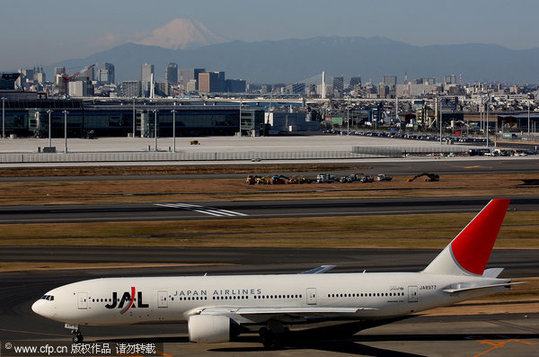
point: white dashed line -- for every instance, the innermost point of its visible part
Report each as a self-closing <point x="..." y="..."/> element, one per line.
<point x="216" y="212"/>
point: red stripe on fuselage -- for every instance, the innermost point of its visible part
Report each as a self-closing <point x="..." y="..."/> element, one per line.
<point x="472" y="247"/>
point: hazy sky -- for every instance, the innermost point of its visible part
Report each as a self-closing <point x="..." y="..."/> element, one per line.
<point x="37" y="32"/>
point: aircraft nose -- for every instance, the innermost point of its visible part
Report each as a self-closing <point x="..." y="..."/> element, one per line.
<point x="44" y="308"/>
<point x="37" y="307"/>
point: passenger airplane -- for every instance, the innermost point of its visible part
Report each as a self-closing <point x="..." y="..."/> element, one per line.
<point x="215" y="307"/>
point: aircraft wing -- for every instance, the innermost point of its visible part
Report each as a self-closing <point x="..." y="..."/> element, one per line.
<point x="319" y="270"/>
<point x="300" y="310"/>
<point x="303" y="311"/>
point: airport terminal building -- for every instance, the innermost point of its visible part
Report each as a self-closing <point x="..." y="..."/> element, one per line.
<point x="27" y="114"/>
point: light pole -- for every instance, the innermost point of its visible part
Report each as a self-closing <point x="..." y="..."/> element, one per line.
<point x="134" y="117"/>
<point x="65" y="131"/>
<point x="440" y="121"/>
<point x="480" y="112"/>
<point x="174" y="128"/>
<point x="488" y="100"/>
<point x="3" y="117"/>
<point x="155" y="127"/>
<point x="496" y="133"/>
<point x="528" y="119"/>
<point x="239" y="132"/>
<point x="348" y="122"/>
<point x="50" y="129"/>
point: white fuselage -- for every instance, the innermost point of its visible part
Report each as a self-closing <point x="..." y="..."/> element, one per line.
<point x="124" y="301"/>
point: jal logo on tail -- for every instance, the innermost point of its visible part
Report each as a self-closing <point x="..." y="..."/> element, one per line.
<point x="127" y="299"/>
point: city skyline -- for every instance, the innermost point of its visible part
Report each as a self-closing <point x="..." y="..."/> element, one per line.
<point x="58" y="31"/>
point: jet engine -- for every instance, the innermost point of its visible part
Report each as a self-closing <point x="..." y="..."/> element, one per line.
<point x="210" y="328"/>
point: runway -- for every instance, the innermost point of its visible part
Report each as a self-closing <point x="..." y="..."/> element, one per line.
<point x="19" y="290"/>
<point x="404" y="166"/>
<point x="165" y="211"/>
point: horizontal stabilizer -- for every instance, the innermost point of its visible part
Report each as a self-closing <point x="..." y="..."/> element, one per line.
<point x="460" y="290"/>
<point x="492" y="272"/>
<point x="319" y="270"/>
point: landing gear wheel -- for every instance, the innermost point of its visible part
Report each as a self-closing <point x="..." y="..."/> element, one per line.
<point x="77" y="337"/>
<point x="269" y="339"/>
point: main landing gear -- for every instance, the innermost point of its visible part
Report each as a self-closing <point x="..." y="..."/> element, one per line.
<point x="77" y="335"/>
<point x="273" y="335"/>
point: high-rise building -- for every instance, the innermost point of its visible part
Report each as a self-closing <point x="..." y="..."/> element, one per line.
<point x="390" y="81"/>
<point x="7" y="80"/>
<point x="354" y="81"/>
<point x="106" y="74"/>
<point x="161" y="89"/>
<point x="147" y="71"/>
<point x="236" y="86"/>
<point x="27" y="75"/>
<point x="59" y="70"/>
<point x="383" y="90"/>
<point x="191" y="86"/>
<point x="40" y="76"/>
<point x="208" y="82"/>
<point x="211" y="82"/>
<point x="171" y="73"/>
<point x="79" y="88"/>
<point x="338" y="84"/>
<point x="130" y="89"/>
<point x="188" y="74"/>
<point x="87" y="75"/>
<point x="452" y="79"/>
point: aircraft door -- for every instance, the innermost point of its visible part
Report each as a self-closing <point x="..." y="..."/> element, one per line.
<point x="412" y="294"/>
<point x="162" y="299"/>
<point x="82" y="301"/>
<point x="311" y="296"/>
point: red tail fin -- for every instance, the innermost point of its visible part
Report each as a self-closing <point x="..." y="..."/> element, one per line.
<point x="469" y="252"/>
<point x="473" y="245"/>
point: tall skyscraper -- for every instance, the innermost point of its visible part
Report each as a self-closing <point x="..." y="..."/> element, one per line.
<point x="59" y="70"/>
<point x="106" y="73"/>
<point x="354" y="81"/>
<point x="338" y="84"/>
<point x="87" y="75"/>
<point x="221" y="85"/>
<point x="208" y="82"/>
<point x="171" y="73"/>
<point x="390" y="81"/>
<point x="188" y="74"/>
<point x="146" y="74"/>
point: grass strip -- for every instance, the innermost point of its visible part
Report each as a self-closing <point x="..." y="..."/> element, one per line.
<point x="520" y="231"/>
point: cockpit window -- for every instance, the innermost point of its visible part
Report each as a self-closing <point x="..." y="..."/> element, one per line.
<point x="48" y="297"/>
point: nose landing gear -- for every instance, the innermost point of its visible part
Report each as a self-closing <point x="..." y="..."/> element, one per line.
<point x="77" y="335"/>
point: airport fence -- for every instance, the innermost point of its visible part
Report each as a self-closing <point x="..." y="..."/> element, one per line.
<point x="356" y="153"/>
<point x="391" y="151"/>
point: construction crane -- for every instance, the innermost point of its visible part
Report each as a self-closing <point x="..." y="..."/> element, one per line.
<point x="66" y="78"/>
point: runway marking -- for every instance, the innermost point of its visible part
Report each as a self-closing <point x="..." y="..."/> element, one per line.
<point x="216" y="212"/>
<point x="499" y="344"/>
